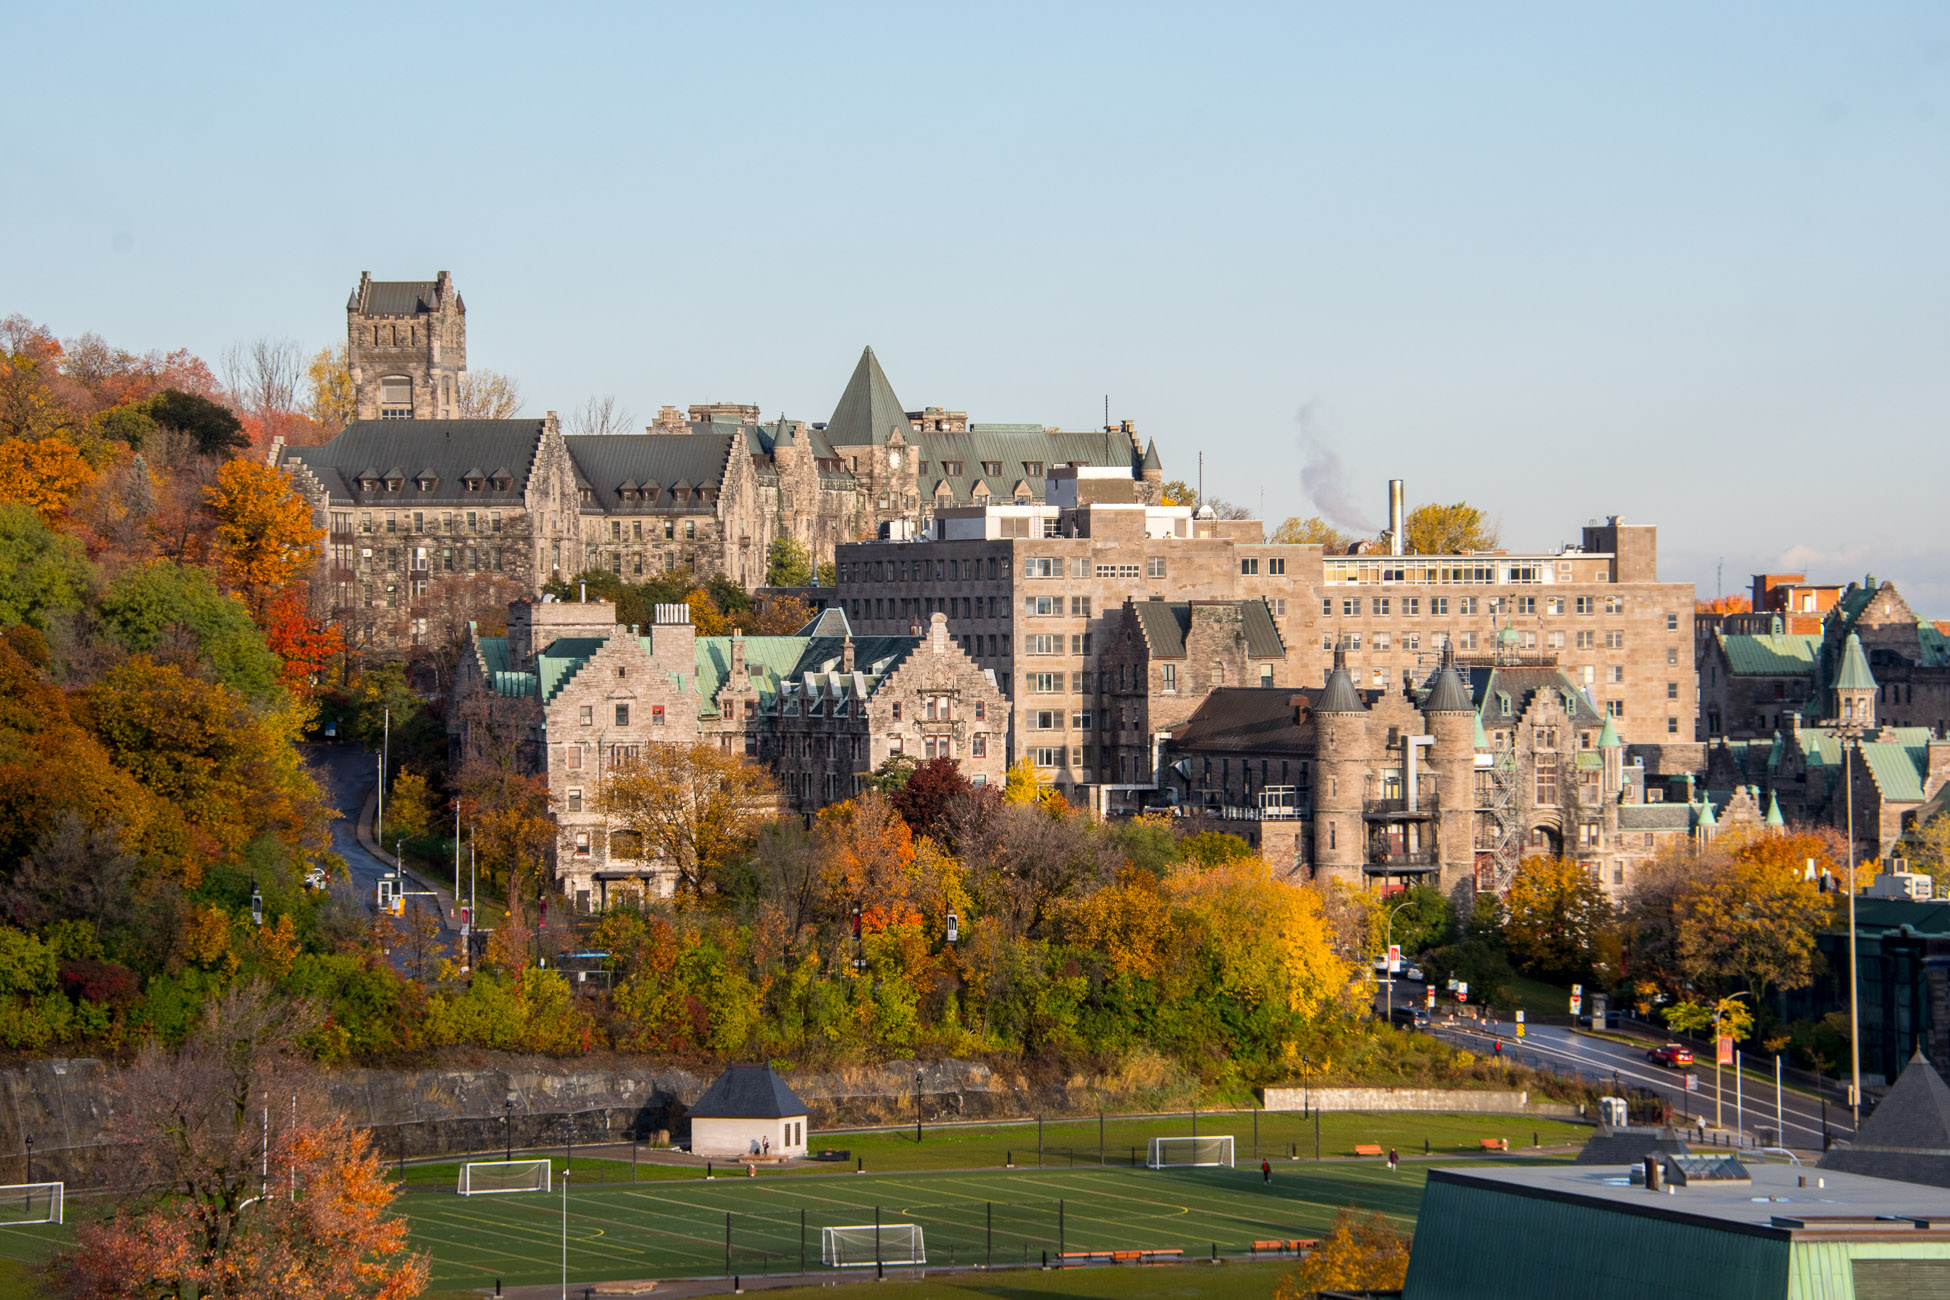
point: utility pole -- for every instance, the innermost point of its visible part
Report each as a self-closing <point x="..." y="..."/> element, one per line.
<point x="385" y="741"/>
<point x="1854" y="971"/>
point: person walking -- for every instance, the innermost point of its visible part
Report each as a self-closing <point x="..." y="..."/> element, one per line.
<point x="1498" y="1049"/>
<point x="1265" y="1171"/>
<point x="1394" y="1161"/>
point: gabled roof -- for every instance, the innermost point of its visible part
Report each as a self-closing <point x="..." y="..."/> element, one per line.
<point x="684" y="459"/>
<point x="563" y="659"/>
<point x="1770" y="654"/>
<point x="1260" y="719"/>
<point x="748" y="1092"/>
<point x="868" y="411"/>
<point x="830" y="621"/>
<point x="1520" y="683"/>
<point x="1894" y="769"/>
<point x="447" y="449"/>
<point x="397" y="297"/>
<point x="1026" y="455"/>
<point x="1166" y="623"/>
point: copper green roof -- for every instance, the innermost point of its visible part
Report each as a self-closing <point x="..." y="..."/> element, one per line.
<point x="1706" y="817"/>
<point x="562" y="660"/>
<point x="1608" y="738"/>
<point x="1774" y="817"/>
<point x="1894" y="771"/>
<point x="1855" y="674"/>
<point x="1771" y="654"/>
<point x="868" y="411"/>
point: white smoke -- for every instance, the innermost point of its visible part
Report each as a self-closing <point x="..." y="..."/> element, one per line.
<point x="1325" y="480"/>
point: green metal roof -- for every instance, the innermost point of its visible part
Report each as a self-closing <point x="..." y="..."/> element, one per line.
<point x="1165" y="624"/>
<point x="563" y="659"/>
<point x="774" y="656"/>
<point x="868" y="411"/>
<point x="1770" y="654"/>
<point x="1608" y="738"/>
<point x="1895" y="771"/>
<point x="1855" y="674"/>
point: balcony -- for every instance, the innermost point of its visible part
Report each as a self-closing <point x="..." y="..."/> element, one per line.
<point x="1402" y="863"/>
<point x="1398" y="809"/>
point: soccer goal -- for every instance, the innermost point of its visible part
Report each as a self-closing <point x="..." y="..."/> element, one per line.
<point x="1174" y="1153"/>
<point x="890" y="1243"/>
<point x="486" y="1177"/>
<point x="31" y="1203"/>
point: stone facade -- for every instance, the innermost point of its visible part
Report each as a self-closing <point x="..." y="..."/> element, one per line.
<point x="406" y="346"/>
<point x="568" y="694"/>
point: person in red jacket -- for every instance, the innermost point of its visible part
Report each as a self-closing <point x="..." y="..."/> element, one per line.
<point x="1266" y="1171"/>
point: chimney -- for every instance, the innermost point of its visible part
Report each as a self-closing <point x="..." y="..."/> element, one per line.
<point x="846" y="654"/>
<point x="1397" y="517"/>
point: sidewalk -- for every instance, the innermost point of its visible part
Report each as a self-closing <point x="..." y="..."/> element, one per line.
<point x="443" y="896"/>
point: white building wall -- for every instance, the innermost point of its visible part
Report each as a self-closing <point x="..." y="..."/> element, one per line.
<point x="737" y="1138"/>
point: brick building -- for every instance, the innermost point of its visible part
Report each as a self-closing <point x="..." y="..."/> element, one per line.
<point x="568" y="694"/>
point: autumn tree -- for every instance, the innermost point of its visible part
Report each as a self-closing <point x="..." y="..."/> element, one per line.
<point x="305" y="645"/>
<point x="1449" y="530"/>
<point x="487" y="395"/>
<point x="866" y="859"/>
<point x="783" y="616"/>
<point x="1557" y="920"/>
<point x="265" y="536"/>
<point x="1752" y="924"/>
<point x="1724" y="605"/>
<point x="1356" y="1255"/>
<point x="1927" y="845"/>
<point x="1177" y="492"/>
<point x="44" y="475"/>
<point x="600" y="415"/>
<point x="932" y="797"/>
<point x="263" y="378"/>
<point x="329" y="397"/>
<point x="695" y="808"/>
<point x="1311" y="531"/>
<point x="409" y="807"/>
<point x="1024" y="860"/>
<point x="42" y="573"/>
<point x="193" y="1122"/>
<point x="508" y="816"/>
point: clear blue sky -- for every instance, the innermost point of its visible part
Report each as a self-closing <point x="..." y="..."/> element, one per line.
<point x="1686" y="263"/>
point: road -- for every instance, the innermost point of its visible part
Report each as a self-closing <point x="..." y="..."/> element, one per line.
<point x="1564" y="1050"/>
<point x="347" y="774"/>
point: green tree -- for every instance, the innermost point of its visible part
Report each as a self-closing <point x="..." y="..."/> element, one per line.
<point x="788" y="564"/>
<point x="1179" y="493"/>
<point x="214" y="429"/>
<point x="1312" y="531"/>
<point x="1928" y="848"/>
<point x="1449" y="530"/>
<point x="143" y="606"/>
<point x="42" y="572"/>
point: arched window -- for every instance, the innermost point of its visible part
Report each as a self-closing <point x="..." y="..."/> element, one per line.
<point x="395" y="397"/>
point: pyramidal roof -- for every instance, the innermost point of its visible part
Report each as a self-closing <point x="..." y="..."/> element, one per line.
<point x="1855" y="674"/>
<point x="868" y="411"/>
<point x="748" y="1092"/>
<point x="1908" y="1136"/>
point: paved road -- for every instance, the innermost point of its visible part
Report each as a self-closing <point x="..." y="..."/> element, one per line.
<point x="1564" y="1050"/>
<point x="348" y="775"/>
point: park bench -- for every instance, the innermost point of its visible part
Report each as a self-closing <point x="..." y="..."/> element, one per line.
<point x="1368" y="1149"/>
<point x="1115" y="1256"/>
<point x="1281" y="1246"/>
<point x="1494" y="1144"/>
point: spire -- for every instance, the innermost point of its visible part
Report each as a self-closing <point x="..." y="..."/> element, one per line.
<point x="868" y="411"/>
<point x="1774" y="817"/>
<point x="1608" y="738"/>
<point x="1706" y="817"/>
<point x="1855" y="674"/>
<point x="1339" y="695"/>
<point x="1151" y="460"/>
<point x="1448" y="694"/>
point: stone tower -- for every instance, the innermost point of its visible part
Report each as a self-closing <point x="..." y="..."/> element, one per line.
<point x="406" y="344"/>
<point x="1340" y="749"/>
<point x="1451" y="718"/>
<point x="1855" y="688"/>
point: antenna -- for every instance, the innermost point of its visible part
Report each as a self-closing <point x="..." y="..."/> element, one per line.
<point x="1106" y="412"/>
<point x="1201" y="478"/>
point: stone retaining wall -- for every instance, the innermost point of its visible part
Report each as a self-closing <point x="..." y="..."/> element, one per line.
<point x="1454" y="1100"/>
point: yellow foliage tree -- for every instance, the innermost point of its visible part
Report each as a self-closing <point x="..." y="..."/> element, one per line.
<point x="409" y="808"/>
<point x="866" y="856"/>
<point x="1312" y="531"/>
<point x="1271" y="939"/>
<point x="1449" y="530"/>
<point x="1356" y="1255"/>
<point x="1557" y="919"/>
<point x="44" y="475"/>
<point x="331" y="402"/>
<point x="265" y="536"/>
<point x="1022" y="783"/>
<point x="695" y="807"/>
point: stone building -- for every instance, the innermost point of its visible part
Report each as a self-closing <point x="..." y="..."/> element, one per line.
<point x="703" y="494"/>
<point x="1451" y="781"/>
<point x="568" y="694"/>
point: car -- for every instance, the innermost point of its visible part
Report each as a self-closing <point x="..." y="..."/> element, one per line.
<point x="1670" y="1054"/>
<point x="1415" y="973"/>
<point x="1409" y="1017"/>
<point x="315" y="878"/>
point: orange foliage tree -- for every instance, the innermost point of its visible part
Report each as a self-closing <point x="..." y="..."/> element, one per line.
<point x="306" y="645"/>
<point x="44" y="474"/>
<point x="265" y="535"/>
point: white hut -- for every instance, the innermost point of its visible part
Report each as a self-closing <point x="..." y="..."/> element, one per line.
<point x="748" y="1111"/>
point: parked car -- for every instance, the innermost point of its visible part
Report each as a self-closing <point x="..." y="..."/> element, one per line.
<point x="1409" y="1017"/>
<point x="1670" y="1054"/>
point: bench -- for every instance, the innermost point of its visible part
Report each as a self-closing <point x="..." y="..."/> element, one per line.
<point x="1281" y="1246"/>
<point x="1494" y="1144"/>
<point x="1116" y="1256"/>
<point x="1368" y="1149"/>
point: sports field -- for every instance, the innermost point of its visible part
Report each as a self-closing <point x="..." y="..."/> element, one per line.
<point x="753" y="1226"/>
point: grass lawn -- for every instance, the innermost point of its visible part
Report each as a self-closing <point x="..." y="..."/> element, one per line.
<point x="1236" y="1281"/>
<point x="760" y="1226"/>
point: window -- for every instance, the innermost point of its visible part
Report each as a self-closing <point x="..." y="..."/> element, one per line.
<point x="978" y="745"/>
<point x="1327" y="607"/>
<point x="1614" y="604"/>
<point x="1266" y="674"/>
<point x="1046" y="756"/>
<point x="586" y="714"/>
<point x="575" y="800"/>
<point x="1439" y="606"/>
<point x="1526" y="604"/>
<point x="1041" y="643"/>
<point x="1249" y="565"/>
<point x="1586" y="605"/>
<point x="1351" y="607"/>
<point x="981" y="710"/>
<point x="1411" y="606"/>
<point x="1079" y="605"/>
<point x="574" y="755"/>
<point x="1033" y="468"/>
<point x="1614" y="708"/>
<point x="1615" y="673"/>
<point x="1278" y="606"/>
<point x="582" y="844"/>
<point x="1672" y="690"/>
<point x="1154" y="567"/>
<point x="1045" y="683"/>
<point x="1042" y="566"/>
<point x="1554" y="605"/>
<point x="622" y="715"/>
<point x="1672" y="655"/>
<point x="1080" y="720"/>
<point x="1381" y="640"/>
<point x="1379" y="606"/>
<point x="656" y="715"/>
<point x="1586" y="640"/>
<point x="1672" y="726"/>
<point x="1614" y="640"/>
<point x="952" y="468"/>
<point x="1465" y="604"/>
<point x="1126" y="571"/>
<point x="991" y="467"/>
<point x="1546" y="783"/>
<point x="1170" y="678"/>
<point x="1672" y="622"/>
<point x="1276" y="565"/>
<point x="1042" y="605"/>
<point x="1218" y="673"/>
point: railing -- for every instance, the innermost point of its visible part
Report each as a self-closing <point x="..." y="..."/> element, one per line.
<point x="1237" y="813"/>
<point x="1416" y="858"/>
<point x="1424" y="804"/>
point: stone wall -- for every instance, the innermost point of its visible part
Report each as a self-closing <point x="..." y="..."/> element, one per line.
<point x="1456" y="1100"/>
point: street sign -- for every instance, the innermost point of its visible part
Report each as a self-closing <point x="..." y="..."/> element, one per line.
<point x="1519" y="1016"/>
<point x="1431" y="995"/>
<point x="1520" y="1029"/>
<point x="1692" y="1083"/>
<point x="1577" y="990"/>
<point x="1577" y="1002"/>
<point x="1726" y="1049"/>
<point x="1462" y="991"/>
<point x="1452" y="984"/>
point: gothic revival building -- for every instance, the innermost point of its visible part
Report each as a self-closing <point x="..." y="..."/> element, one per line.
<point x="421" y="505"/>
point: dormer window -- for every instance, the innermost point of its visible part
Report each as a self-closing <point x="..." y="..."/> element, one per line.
<point x="395" y="484"/>
<point x="585" y="496"/>
<point x="991" y="467"/>
<point x="1033" y="468"/>
<point x="952" y="468"/>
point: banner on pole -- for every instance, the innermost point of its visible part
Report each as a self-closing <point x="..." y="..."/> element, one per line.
<point x="1726" y="1049"/>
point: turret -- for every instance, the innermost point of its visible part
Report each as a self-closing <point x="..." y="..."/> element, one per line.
<point x="1451" y="715"/>
<point x="1612" y="752"/>
<point x="1340" y="750"/>
<point x="1855" y="688"/>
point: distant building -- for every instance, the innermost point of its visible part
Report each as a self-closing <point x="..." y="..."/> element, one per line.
<point x="748" y="1112"/>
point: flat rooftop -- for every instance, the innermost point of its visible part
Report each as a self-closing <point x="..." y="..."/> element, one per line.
<point x="1832" y="1206"/>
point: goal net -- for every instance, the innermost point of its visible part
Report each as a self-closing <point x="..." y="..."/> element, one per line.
<point x="1174" y="1153"/>
<point x="486" y="1177"/>
<point x="890" y="1243"/>
<point x="31" y="1203"/>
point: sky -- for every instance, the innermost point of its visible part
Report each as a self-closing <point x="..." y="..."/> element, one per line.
<point x="1686" y="264"/>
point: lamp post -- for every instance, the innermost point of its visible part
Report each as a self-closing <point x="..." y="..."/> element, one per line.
<point x="917" y="1107"/>
<point x="30" y="1159"/>
<point x="565" y="1232"/>
<point x="1386" y="948"/>
<point x="1854" y="972"/>
<point x="508" y="1125"/>
<point x="1719" y="1009"/>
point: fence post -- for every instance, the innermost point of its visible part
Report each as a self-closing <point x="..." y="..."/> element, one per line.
<point x="1059" y="1232"/>
<point x="879" y="1269"/>
<point x="988" y="1255"/>
<point x="802" y="1241"/>
<point x="727" y="1243"/>
<point x="1039" y="1141"/>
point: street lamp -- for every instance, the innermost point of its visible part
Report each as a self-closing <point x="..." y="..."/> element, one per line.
<point x="1389" y="946"/>
<point x="508" y="1125"/>
<point x="1854" y="973"/>
<point x="954" y="927"/>
<point x="1719" y="1009"/>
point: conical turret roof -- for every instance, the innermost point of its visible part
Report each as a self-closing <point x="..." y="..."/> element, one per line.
<point x="1339" y="695"/>
<point x="1151" y="460"/>
<point x="1855" y="674"/>
<point x="868" y="411"/>
<point x="1608" y="738"/>
<point x="1448" y="695"/>
<point x="1774" y="817"/>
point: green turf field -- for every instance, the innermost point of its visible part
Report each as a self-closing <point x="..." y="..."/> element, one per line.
<point x="754" y="1225"/>
<point x="1236" y="1281"/>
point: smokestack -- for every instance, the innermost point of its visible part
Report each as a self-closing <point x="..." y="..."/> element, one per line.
<point x="1397" y="517"/>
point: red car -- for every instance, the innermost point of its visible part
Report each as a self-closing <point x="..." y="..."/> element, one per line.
<point x="1670" y="1054"/>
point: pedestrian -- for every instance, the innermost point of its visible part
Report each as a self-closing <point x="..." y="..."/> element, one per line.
<point x="1499" y="1049"/>
<point x="1394" y="1160"/>
<point x="768" y="1148"/>
<point x="1265" y="1171"/>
